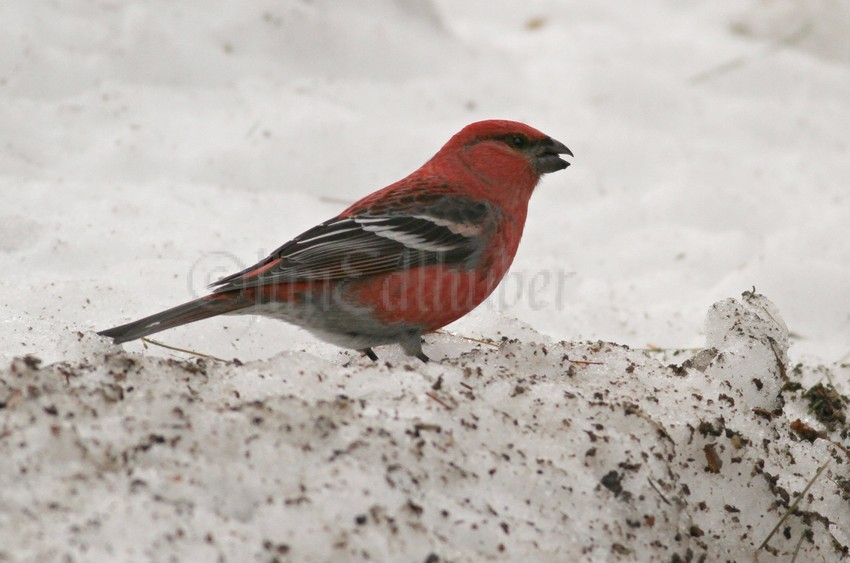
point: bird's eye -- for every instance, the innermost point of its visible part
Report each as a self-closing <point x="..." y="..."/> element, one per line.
<point x="518" y="141"/>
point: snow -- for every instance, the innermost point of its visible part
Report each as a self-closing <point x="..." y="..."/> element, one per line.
<point x="150" y="148"/>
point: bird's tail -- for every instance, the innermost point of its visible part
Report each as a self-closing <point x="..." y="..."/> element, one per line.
<point x="203" y="308"/>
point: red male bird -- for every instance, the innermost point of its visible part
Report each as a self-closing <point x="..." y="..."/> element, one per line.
<point x="403" y="261"/>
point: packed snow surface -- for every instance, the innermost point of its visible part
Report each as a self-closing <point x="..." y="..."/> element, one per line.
<point x="529" y="450"/>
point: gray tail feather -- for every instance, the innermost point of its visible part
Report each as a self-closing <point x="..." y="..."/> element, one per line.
<point x="203" y="308"/>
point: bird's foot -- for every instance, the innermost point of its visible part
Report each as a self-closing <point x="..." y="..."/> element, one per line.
<point x="369" y="353"/>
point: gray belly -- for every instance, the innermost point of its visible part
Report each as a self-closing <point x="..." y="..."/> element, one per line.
<point x="336" y="321"/>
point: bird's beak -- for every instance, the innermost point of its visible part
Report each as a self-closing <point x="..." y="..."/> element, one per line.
<point x="546" y="157"/>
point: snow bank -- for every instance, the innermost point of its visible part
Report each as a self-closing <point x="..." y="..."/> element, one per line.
<point x="529" y="450"/>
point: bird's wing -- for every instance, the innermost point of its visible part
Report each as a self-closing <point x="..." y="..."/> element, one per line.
<point x="450" y="230"/>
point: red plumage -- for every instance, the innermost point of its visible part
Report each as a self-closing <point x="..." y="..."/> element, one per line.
<point x="405" y="260"/>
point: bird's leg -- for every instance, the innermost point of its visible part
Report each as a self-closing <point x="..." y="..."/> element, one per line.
<point x="369" y="353"/>
<point x="412" y="345"/>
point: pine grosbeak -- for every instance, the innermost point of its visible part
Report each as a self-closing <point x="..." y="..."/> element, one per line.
<point x="403" y="261"/>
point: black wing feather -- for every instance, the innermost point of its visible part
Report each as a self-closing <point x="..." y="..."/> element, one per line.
<point x="370" y="244"/>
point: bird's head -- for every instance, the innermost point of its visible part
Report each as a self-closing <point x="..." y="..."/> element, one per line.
<point x="505" y="153"/>
<point x="497" y="147"/>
